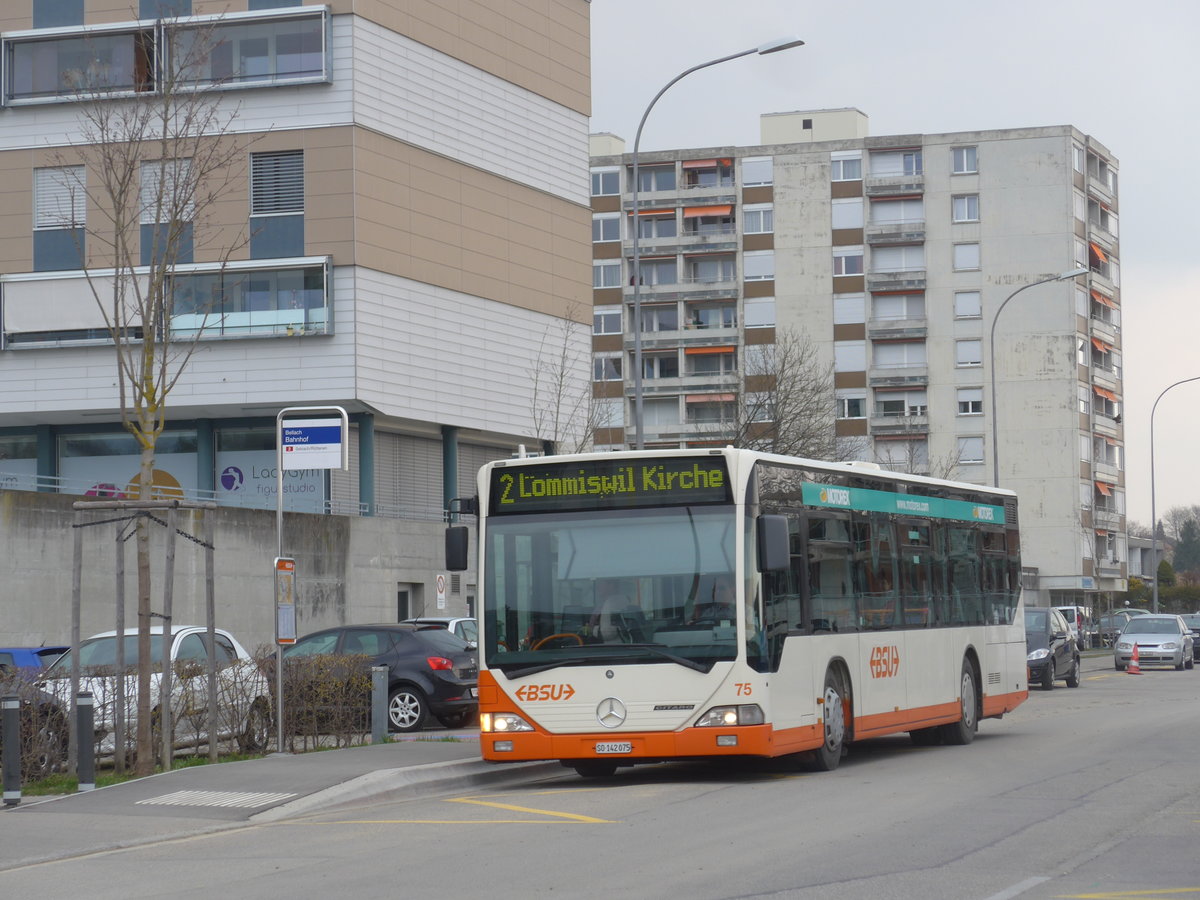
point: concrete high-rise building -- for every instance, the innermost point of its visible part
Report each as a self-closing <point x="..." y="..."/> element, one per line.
<point x="414" y="194"/>
<point x="894" y="255"/>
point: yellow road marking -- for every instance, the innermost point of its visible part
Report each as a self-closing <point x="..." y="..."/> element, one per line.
<point x="434" y="822"/>
<point x="575" y="817"/>
<point x="1118" y="895"/>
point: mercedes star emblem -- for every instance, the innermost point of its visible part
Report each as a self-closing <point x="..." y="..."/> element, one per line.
<point x="611" y="712"/>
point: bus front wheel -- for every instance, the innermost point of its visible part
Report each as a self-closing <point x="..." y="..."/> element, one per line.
<point x="836" y="710"/>
<point x="963" y="731"/>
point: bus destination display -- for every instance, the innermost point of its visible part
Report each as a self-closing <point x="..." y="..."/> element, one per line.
<point x="609" y="484"/>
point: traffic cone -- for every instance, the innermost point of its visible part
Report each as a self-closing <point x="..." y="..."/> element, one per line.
<point x="1134" y="668"/>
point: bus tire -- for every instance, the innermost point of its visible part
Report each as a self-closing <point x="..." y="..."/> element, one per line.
<point x="594" y="769"/>
<point x="963" y="731"/>
<point x="835" y="714"/>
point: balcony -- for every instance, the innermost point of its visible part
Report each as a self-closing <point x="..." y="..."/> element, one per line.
<point x="907" y="280"/>
<point x="907" y="376"/>
<point x="1107" y="519"/>
<point x="892" y="329"/>
<point x="884" y="234"/>
<point x="893" y="185"/>
<point x="884" y="424"/>
<point x="709" y="239"/>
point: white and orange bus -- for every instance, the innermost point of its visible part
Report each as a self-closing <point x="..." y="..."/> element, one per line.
<point x="864" y="603"/>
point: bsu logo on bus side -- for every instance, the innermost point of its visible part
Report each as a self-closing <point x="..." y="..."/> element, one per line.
<point x="885" y="662"/>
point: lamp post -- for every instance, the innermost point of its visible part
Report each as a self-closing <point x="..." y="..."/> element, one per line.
<point x="1153" y="511"/>
<point x="1064" y="276"/>
<point x="763" y="49"/>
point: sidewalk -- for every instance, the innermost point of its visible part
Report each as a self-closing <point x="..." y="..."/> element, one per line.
<point x="201" y="799"/>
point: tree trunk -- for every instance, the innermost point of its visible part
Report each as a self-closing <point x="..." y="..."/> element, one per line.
<point x="145" y="740"/>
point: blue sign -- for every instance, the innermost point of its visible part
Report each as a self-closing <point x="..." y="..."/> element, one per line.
<point x="311" y="443"/>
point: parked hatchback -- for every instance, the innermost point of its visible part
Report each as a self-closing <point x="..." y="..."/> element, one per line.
<point x="431" y="671"/>
<point x="1160" y="640"/>
<point x="1051" y="650"/>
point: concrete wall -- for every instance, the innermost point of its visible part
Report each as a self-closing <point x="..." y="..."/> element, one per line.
<point x="349" y="570"/>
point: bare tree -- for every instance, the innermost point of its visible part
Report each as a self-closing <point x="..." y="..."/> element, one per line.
<point x="1173" y="520"/>
<point x="786" y="402"/>
<point x="153" y="158"/>
<point x="911" y="456"/>
<point x="564" y="410"/>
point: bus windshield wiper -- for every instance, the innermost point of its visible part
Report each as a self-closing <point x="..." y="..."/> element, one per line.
<point x="659" y="650"/>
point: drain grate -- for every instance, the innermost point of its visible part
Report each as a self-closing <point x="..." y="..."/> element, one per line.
<point x="242" y="799"/>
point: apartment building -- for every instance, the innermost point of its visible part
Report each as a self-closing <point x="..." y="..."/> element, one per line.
<point x="895" y="255"/>
<point x="414" y="199"/>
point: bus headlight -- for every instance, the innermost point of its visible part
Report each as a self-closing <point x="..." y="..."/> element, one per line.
<point x="502" y="722"/>
<point x="1039" y="653"/>
<point x="725" y="716"/>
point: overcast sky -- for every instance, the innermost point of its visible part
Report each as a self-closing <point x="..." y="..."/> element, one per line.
<point x="1121" y="71"/>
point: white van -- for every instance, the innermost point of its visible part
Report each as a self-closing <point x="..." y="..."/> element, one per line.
<point x="1077" y="620"/>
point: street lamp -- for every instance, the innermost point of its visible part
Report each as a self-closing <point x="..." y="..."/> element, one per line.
<point x="1082" y="270"/>
<point x="763" y="49"/>
<point x="1153" y="511"/>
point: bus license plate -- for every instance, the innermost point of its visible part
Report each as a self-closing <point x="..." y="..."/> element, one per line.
<point x="614" y="747"/>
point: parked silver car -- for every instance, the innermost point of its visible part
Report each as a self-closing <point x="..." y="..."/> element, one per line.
<point x="1160" y="640"/>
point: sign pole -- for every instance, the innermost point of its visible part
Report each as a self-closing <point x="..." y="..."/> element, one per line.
<point x="305" y="443"/>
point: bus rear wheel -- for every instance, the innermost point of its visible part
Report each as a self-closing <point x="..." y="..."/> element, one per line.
<point x="835" y="714"/>
<point x="963" y="731"/>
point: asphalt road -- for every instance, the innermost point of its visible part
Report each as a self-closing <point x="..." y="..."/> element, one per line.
<point x="1087" y="792"/>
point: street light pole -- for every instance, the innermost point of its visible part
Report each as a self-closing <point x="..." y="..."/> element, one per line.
<point x="1153" y="510"/>
<point x="762" y="50"/>
<point x="1064" y="276"/>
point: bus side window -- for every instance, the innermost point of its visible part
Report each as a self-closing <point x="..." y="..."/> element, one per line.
<point x="914" y="564"/>
<point x="964" y="577"/>
<point x="830" y="573"/>
<point x="874" y="570"/>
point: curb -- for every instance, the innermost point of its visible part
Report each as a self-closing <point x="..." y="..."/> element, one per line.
<point x="384" y="785"/>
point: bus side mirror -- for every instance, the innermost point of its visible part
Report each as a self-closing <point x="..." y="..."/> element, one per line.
<point x="456" y="548"/>
<point x="774" y="552"/>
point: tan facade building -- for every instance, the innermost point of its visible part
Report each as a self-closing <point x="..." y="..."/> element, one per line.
<point x="406" y="224"/>
<point x="895" y="255"/>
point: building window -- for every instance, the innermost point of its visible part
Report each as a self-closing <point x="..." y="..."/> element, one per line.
<point x="890" y="404"/>
<point x="167" y="202"/>
<point x="968" y="353"/>
<point x="846" y="166"/>
<point x="965" y="208"/>
<point x="898" y="354"/>
<point x="757" y="170"/>
<point x="610" y="413"/>
<point x="660" y="365"/>
<point x="758" y="265"/>
<point x="1078" y="158"/>
<point x="663" y="317"/>
<point x="896" y="162"/>
<point x="758" y="312"/>
<point x="606" y="320"/>
<point x="1085" y="400"/>
<point x="968" y="305"/>
<point x="963" y="160"/>
<point x="966" y="257"/>
<point x="970" y="401"/>
<point x="906" y="455"/>
<point x="658" y="270"/>
<point x="758" y="219"/>
<point x="896" y="212"/>
<point x="849" y="356"/>
<point x="709" y="412"/>
<point x="57" y="13"/>
<point x="242" y="301"/>
<point x="709" y="269"/>
<point x="660" y="411"/>
<point x="847" y="260"/>
<point x="897" y="307"/>
<point x="606" y="228"/>
<point x="275" y="50"/>
<point x="851" y="404"/>
<point x="59" y="211"/>
<point x="905" y="258"/>
<point x="847" y="213"/>
<point x="606" y="273"/>
<point x="277" y="204"/>
<point x="705" y="317"/>
<point x="160" y="9"/>
<point x="707" y="173"/>
<point x="80" y="64"/>
<point x="606" y="182"/>
<point x="849" y="309"/>
<point x="657" y="226"/>
<point x="970" y="450"/>
<point x="606" y="367"/>
<point x="711" y="360"/>
<point x="656" y="178"/>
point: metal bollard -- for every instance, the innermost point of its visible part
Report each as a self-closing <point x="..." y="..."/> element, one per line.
<point x="379" y="716"/>
<point x="85" y="727"/>
<point x="11" y="762"/>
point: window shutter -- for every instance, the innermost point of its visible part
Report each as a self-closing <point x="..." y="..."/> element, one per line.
<point x="162" y="187"/>
<point x="277" y="183"/>
<point x="60" y="197"/>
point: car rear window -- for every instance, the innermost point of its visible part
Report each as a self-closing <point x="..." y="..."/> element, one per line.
<point x="442" y="640"/>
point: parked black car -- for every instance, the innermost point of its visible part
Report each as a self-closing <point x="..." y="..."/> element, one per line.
<point x="430" y="670"/>
<point x="1051" y="649"/>
<point x="1192" y="621"/>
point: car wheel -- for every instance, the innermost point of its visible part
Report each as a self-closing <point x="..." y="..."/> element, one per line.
<point x="454" y="720"/>
<point x="1073" y="675"/>
<point x="836" y="713"/>
<point x="1048" y="676"/>
<point x="1179" y="665"/>
<point x="256" y="736"/>
<point x="1189" y="663"/>
<point x="1118" y="667"/>
<point x="963" y="731"/>
<point x="407" y="709"/>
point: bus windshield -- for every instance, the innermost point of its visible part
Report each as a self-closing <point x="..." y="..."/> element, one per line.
<point x="610" y="587"/>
